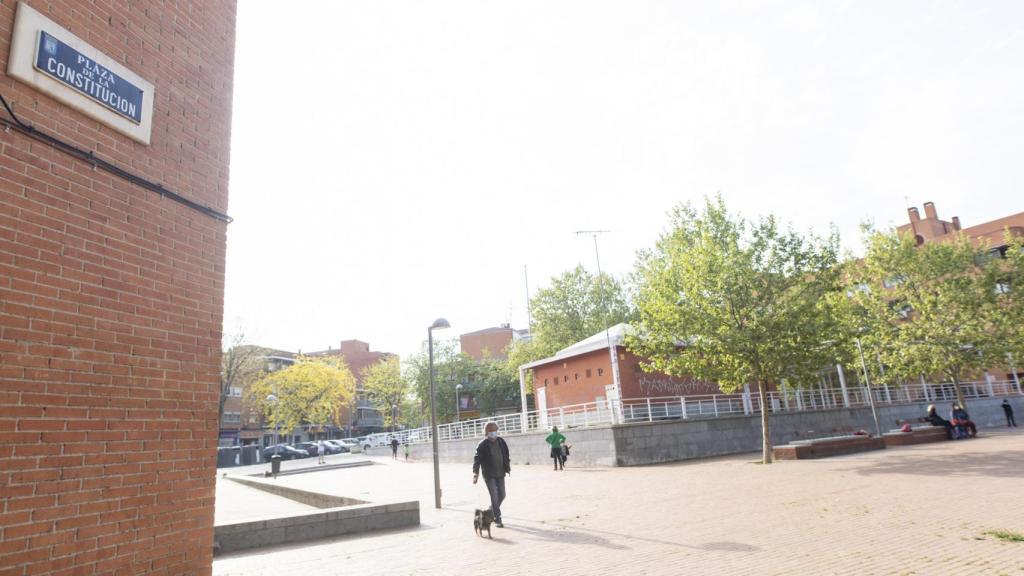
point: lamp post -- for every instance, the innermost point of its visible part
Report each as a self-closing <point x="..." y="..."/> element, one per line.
<point x="438" y="324"/>
<point x="272" y="400"/>
<point x="394" y="417"/>
<point x="458" y="415"/>
<point x="871" y="397"/>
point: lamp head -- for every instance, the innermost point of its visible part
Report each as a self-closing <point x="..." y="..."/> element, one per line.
<point x="440" y="324"/>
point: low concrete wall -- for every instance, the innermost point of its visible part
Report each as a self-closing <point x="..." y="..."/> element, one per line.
<point x="314" y="499"/>
<point x="669" y="441"/>
<point x="301" y="527"/>
<point x="652" y="443"/>
<point x="590" y="447"/>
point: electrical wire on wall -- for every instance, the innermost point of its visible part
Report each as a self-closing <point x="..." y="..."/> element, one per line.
<point x="88" y="156"/>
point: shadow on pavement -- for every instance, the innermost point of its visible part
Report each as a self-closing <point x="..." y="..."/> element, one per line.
<point x="1007" y="465"/>
<point x="566" y="536"/>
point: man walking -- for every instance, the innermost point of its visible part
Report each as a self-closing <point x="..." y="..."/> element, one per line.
<point x="394" y="448"/>
<point x="1008" y="410"/>
<point x="492" y="456"/>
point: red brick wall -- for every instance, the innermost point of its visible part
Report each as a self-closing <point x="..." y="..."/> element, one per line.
<point x="490" y="344"/>
<point x="573" y="385"/>
<point x="110" y="305"/>
<point x="581" y="388"/>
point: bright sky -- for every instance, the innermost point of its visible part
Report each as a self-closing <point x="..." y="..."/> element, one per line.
<point x="393" y="162"/>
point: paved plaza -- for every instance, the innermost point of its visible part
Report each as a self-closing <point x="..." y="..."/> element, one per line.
<point x="918" y="510"/>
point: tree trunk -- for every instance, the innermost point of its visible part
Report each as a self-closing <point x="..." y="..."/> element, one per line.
<point x="959" y="393"/>
<point x="766" y="432"/>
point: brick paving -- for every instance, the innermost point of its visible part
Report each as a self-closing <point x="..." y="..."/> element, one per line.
<point x="912" y="511"/>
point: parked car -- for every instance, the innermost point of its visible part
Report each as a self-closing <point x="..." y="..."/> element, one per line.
<point x="335" y="447"/>
<point x="364" y="442"/>
<point x="352" y="444"/>
<point x="311" y="447"/>
<point x="285" y="451"/>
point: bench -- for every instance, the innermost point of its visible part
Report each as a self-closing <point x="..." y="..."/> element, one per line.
<point x="825" y="447"/>
<point x="919" y="435"/>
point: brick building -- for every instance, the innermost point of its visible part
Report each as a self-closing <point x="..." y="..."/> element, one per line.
<point x="362" y="417"/>
<point x="932" y="229"/>
<point x="490" y="342"/>
<point x="583" y="373"/>
<point x="113" y="189"/>
<point x="241" y="422"/>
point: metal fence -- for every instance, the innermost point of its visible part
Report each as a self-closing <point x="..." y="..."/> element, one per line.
<point x="707" y="406"/>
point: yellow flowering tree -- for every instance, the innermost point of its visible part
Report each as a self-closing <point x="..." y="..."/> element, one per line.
<point x="310" y="391"/>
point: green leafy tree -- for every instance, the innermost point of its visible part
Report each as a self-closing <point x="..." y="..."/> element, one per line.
<point x="387" y="388"/>
<point x="575" y="306"/>
<point x="489" y="381"/>
<point x="735" y="302"/>
<point x="935" y="308"/>
<point x="310" y="391"/>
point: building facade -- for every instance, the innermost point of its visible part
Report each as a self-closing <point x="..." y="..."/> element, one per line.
<point x="933" y="229"/>
<point x="113" y="192"/>
<point x="362" y="417"/>
<point x="490" y="342"/>
<point x="583" y="373"/>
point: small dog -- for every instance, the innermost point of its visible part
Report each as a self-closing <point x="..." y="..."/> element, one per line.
<point x="482" y="520"/>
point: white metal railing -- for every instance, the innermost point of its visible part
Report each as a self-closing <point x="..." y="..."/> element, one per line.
<point x="707" y="406"/>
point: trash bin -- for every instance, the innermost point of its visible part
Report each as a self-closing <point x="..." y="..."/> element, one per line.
<point x="225" y="457"/>
<point x="275" y="464"/>
<point x="250" y="455"/>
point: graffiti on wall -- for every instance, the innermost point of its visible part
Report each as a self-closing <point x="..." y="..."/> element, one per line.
<point x="660" y="385"/>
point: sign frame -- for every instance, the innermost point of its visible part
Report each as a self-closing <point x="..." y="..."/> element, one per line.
<point x="29" y="25"/>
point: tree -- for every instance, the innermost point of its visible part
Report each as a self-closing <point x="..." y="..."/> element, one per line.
<point x="735" y="302"/>
<point x="489" y="380"/>
<point x="575" y="306"/>
<point x="388" y="390"/>
<point x="240" y="365"/>
<point x="312" y="391"/>
<point x="935" y="308"/>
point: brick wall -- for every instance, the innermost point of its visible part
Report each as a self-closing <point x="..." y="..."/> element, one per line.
<point x="110" y="305"/>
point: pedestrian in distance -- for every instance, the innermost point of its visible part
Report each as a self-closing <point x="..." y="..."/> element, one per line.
<point x="555" y="440"/>
<point x="492" y="459"/>
<point x="1008" y="410"/>
<point x="394" y="448"/>
<point x="321" y="450"/>
<point x="406" y="446"/>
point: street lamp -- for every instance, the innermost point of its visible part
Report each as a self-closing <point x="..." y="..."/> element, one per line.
<point x="458" y="415"/>
<point x="272" y="400"/>
<point x="394" y="417"/>
<point x="439" y="324"/>
<point x="871" y="396"/>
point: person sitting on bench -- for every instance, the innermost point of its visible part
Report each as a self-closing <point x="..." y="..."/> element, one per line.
<point x="935" y="420"/>
<point x="959" y="418"/>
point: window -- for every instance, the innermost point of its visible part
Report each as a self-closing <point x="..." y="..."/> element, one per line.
<point x="1003" y="287"/>
<point x="232" y="418"/>
<point x="235" y="392"/>
<point x="893" y="281"/>
<point x="588" y="372"/>
<point x="600" y="371"/>
<point x="862" y="287"/>
<point x="565" y="378"/>
<point x="577" y="376"/>
<point x="545" y="381"/>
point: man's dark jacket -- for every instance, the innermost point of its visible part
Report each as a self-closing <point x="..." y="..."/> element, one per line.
<point x="483" y="458"/>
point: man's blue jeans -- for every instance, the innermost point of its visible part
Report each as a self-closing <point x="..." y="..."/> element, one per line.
<point x="496" y="486"/>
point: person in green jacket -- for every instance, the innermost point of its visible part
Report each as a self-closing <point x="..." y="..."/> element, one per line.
<point x="556" y="439"/>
